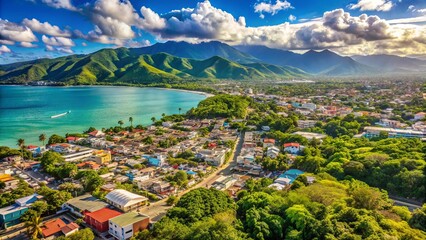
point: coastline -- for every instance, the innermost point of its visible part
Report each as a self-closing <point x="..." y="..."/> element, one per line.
<point x="206" y="94"/>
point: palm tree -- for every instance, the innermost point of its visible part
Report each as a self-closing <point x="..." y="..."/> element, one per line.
<point x="180" y="109"/>
<point x="153" y="119"/>
<point x="42" y="138"/>
<point x="120" y="123"/>
<point x="33" y="226"/>
<point x="21" y="144"/>
<point x="131" y="121"/>
<point x="163" y="114"/>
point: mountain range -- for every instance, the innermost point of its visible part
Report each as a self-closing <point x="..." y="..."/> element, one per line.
<point x="176" y="61"/>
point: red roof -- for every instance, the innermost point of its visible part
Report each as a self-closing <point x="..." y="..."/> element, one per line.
<point x="69" y="227"/>
<point x="31" y="146"/>
<point x="269" y="140"/>
<point x="103" y="214"/>
<point x="52" y="227"/>
<point x="72" y="138"/>
<point x="291" y="145"/>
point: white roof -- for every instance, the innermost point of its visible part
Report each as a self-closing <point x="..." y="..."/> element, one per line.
<point x="124" y="198"/>
<point x="283" y="180"/>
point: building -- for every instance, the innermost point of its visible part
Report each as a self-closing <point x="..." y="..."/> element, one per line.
<point x="392" y="132"/>
<point x="57" y="227"/>
<point x="268" y="142"/>
<point x="11" y="215"/>
<point x="224" y="182"/>
<point x="78" y="155"/>
<point x="293" y="148"/>
<point x="99" y="219"/>
<point x="419" y="116"/>
<point x="9" y="182"/>
<point x="127" y="225"/>
<point x="290" y="174"/>
<point x="311" y="135"/>
<point x="162" y="188"/>
<point x="125" y="200"/>
<point x="83" y="204"/>
<point x="272" y="152"/>
<point x="101" y="157"/>
<point x="306" y="123"/>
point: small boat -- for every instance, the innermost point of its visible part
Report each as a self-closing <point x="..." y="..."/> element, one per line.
<point x="60" y="115"/>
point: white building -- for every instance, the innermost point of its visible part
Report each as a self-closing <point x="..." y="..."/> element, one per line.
<point x="125" y="200"/>
<point x="272" y="152"/>
<point x="126" y="225"/>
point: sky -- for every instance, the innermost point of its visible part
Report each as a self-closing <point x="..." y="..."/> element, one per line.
<point x="32" y="29"/>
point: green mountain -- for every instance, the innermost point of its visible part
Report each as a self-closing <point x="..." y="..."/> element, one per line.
<point x="198" y="51"/>
<point x="126" y="65"/>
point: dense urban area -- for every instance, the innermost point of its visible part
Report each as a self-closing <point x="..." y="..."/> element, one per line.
<point x="339" y="159"/>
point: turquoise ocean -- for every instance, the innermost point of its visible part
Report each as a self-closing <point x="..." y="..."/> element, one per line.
<point x="25" y="111"/>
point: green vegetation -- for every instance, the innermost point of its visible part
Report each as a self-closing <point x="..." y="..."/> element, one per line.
<point x="85" y="234"/>
<point x="22" y="190"/>
<point x="221" y="106"/>
<point x="123" y="65"/>
<point x="54" y="164"/>
<point x="326" y="209"/>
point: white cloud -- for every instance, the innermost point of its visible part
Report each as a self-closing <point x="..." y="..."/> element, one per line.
<point x="4" y="49"/>
<point x="58" y="41"/>
<point x="292" y="18"/>
<point x="66" y="50"/>
<point x="372" y="5"/>
<point x="66" y="4"/>
<point x="12" y="32"/>
<point x="84" y="44"/>
<point x="272" y="8"/>
<point x="28" y="45"/>
<point x="45" y="28"/>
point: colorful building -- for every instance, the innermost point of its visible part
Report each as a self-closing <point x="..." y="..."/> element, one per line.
<point x="99" y="219"/>
<point x="125" y="200"/>
<point x="83" y="204"/>
<point x="11" y="215"/>
<point x="127" y="225"/>
<point x="101" y="156"/>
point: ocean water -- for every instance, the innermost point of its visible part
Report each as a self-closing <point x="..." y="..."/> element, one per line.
<point x="25" y="111"/>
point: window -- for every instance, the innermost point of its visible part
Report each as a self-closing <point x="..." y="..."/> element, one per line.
<point x="129" y="231"/>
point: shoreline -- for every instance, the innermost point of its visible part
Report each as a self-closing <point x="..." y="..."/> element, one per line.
<point x="206" y="94"/>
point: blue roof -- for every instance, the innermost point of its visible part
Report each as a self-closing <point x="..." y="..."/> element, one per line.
<point x="291" y="174"/>
<point x="154" y="161"/>
<point x="190" y="172"/>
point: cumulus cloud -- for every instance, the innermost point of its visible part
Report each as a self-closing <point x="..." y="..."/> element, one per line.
<point x="292" y="18"/>
<point x="12" y="32"/>
<point x="66" y="50"/>
<point x="272" y="8"/>
<point x="45" y="28"/>
<point x="366" y="27"/>
<point x="4" y="49"/>
<point x="372" y="5"/>
<point x="28" y="45"/>
<point x="58" y="41"/>
<point x="66" y="4"/>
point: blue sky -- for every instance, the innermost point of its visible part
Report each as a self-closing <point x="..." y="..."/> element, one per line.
<point x="50" y="28"/>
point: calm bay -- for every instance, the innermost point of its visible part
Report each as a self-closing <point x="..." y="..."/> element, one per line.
<point x="25" y="111"/>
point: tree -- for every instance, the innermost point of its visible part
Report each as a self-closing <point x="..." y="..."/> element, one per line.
<point x="33" y="226"/>
<point x="56" y="139"/>
<point x="172" y="200"/>
<point x="131" y="121"/>
<point x="180" y="109"/>
<point x="42" y="138"/>
<point x="181" y="178"/>
<point x="21" y="144"/>
<point x="85" y="234"/>
<point x="418" y="220"/>
<point x="153" y="119"/>
<point x="120" y="122"/>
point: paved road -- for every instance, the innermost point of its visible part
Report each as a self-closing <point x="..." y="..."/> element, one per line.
<point x="158" y="209"/>
<point x="412" y="205"/>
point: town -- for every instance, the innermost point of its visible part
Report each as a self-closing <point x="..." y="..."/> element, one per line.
<point x="121" y="180"/>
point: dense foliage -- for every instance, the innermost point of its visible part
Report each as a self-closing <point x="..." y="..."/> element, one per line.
<point x="221" y="106"/>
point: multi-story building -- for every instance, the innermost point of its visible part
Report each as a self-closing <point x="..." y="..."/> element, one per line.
<point x="125" y="200"/>
<point x="127" y="225"/>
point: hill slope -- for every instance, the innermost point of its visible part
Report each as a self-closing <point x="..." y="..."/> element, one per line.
<point x="392" y="63"/>
<point x="124" y="65"/>
<point x="198" y="51"/>
<point x="324" y="62"/>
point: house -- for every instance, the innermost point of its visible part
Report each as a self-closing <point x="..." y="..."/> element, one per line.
<point x="419" y="116"/>
<point x="293" y="148"/>
<point x="127" y="225"/>
<point x="224" y="182"/>
<point x="83" y="204"/>
<point x="392" y="132"/>
<point x="268" y="142"/>
<point x="125" y="200"/>
<point x="9" y="182"/>
<point x="266" y="128"/>
<point x="96" y="133"/>
<point x="99" y="219"/>
<point x="162" y="188"/>
<point x="290" y="174"/>
<point x="11" y="215"/>
<point x="156" y="160"/>
<point x="57" y="227"/>
<point x="272" y="152"/>
<point x="306" y="123"/>
<point x="101" y="157"/>
<point x="90" y="165"/>
<point x="72" y="139"/>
